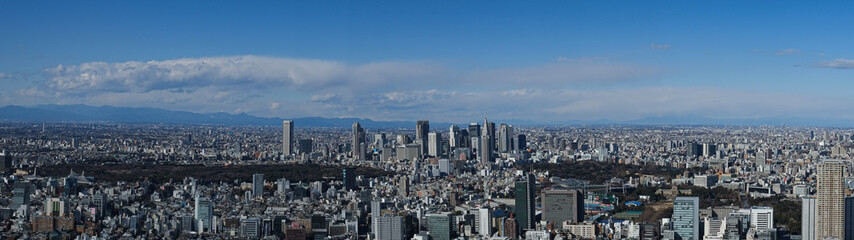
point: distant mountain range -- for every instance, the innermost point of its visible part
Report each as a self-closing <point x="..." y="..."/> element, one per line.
<point x="86" y="113"/>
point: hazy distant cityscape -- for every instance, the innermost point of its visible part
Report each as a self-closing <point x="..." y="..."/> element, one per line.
<point x="484" y="180"/>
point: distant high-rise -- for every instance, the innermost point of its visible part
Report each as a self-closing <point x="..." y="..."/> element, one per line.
<point x="808" y="218"/>
<point x="358" y="140"/>
<point x="305" y="146"/>
<point x="204" y="213"/>
<point x="433" y="143"/>
<point x="257" y="185"/>
<point x="422" y="129"/>
<point x="831" y="193"/>
<point x="505" y="137"/>
<point x="454" y="136"/>
<point x="487" y="141"/>
<point x="525" y="205"/>
<point x="288" y="137"/>
<point x="283" y="185"/>
<point x="563" y="205"/>
<point x="349" y="178"/>
<point x="5" y="162"/>
<point x="251" y="227"/>
<point x="686" y="218"/>
<point x="520" y="143"/>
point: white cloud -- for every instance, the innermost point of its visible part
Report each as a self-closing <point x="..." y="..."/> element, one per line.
<point x="659" y="46"/>
<point x="787" y="51"/>
<point x="4" y="76"/>
<point x="840" y="63"/>
<point x="247" y="72"/>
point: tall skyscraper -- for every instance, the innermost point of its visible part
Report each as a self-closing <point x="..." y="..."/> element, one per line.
<point x="686" y="218"/>
<point x="505" y="137"/>
<point x="808" y="218"/>
<point x="454" y="136"/>
<point x="5" y="162"/>
<point x="288" y="137"/>
<point x="831" y="193"/>
<point x="257" y="185"/>
<point x="433" y="143"/>
<point x="520" y="143"/>
<point x="422" y="129"/>
<point x="484" y="222"/>
<point x="357" y="143"/>
<point x="563" y="205"/>
<point x="305" y="146"/>
<point x="21" y="195"/>
<point x="440" y="226"/>
<point x="204" y="213"/>
<point x="487" y="141"/>
<point x="849" y="218"/>
<point x="349" y="178"/>
<point x="525" y="205"/>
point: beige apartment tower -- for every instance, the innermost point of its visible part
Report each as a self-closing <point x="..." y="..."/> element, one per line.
<point x="831" y="194"/>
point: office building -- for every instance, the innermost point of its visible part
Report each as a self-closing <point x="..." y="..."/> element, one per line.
<point x="830" y="203"/>
<point x="762" y="218"/>
<point x="686" y="218"/>
<point x="809" y="213"/>
<point x="390" y="227"/>
<point x="483" y="222"/>
<point x="288" y="137"/>
<point x="440" y="226"/>
<point x="849" y="218"/>
<point x="520" y="143"/>
<point x="204" y="213"/>
<point x="20" y="195"/>
<point x="422" y="129"/>
<point x="433" y="143"/>
<point x="563" y="205"/>
<point x="251" y="227"/>
<point x="525" y="205"/>
<point x="305" y="146"/>
<point x="257" y="185"/>
<point x="349" y="175"/>
<point x="357" y="143"/>
<point x="5" y="162"/>
<point x="505" y="137"/>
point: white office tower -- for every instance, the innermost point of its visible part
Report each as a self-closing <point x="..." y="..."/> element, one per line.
<point x="287" y="137"/>
<point x="809" y="213"/>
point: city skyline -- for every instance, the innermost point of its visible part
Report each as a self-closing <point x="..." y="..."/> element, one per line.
<point x="445" y="61"/>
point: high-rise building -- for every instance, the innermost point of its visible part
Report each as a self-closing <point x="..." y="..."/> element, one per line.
<point x="422" y="129"/>
<point x="454" y="137"/>
<point x="686" y="218"/>
<point x="849" y="218"/>
<point x="433" y="143"/>
<point x="305" y="146"/>
<point x="525" y="205"/>
<point x="204" y="213"/>
<point x="288" y="137"/>
<point x="390" y="227"/>
<point x="563" y="205"/>
<point x="830" y="204"/>
<point x="5" y="162"/>
<point x="349" y="178"/>
<point x="403" y="190"/>
<point x="358" y="141"/>
<point x="487" y="140"/>
<point x="257" y="185"/>
<point x="505" y="137"/>
<point x="21" y="194"/>
<point x="56" y="207"/>
<point x="440" y="226"/>
<point x="520" y="143"/>
<point x="484" y="222"/>
<point x="809" y="212"/>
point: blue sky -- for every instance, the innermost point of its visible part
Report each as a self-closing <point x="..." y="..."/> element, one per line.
<point x="442" y="60"/>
